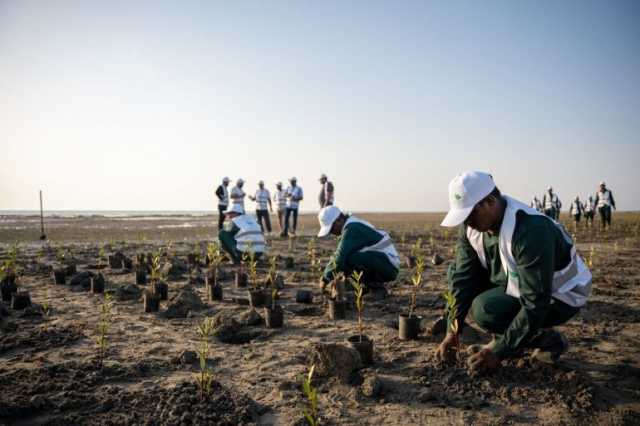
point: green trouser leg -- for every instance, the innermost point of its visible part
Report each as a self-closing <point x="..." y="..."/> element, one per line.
<point x="494" y="310"/>
<point x="483" y="284"/>
<point x="375" y="267"/>
<point x="228" y="243"/>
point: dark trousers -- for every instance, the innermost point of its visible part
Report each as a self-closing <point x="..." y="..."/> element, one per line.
<point x="290" y="211"/>
<point x="263" y="214"/>
<point x="588" y="217"/>
<point x="576" y="217"/>
<point x="494" y="310"/>
<point x="375" y="267"/>
<point x="221" y="210"/>
<point x="550" y="212"/>
<point x="605" y="215"/>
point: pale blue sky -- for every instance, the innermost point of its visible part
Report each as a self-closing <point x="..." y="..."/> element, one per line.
<point x="114" y="105"/>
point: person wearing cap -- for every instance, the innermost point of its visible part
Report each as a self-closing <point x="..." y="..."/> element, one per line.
<point x="241" y="234"/>
<point x="237" y="194"/>
<point x="263" y="201"/>
<point x="576" y="210"/>
<point x="326" y="192"/>
<point x="294" y="195"/>
<point x="551" y="204"/>
<point x="280" y="198"/>
<point x="362" y="248"/>
<point x="516" y="270"/>
<point x="223" y="200"/>
<point x="604" y="202"/>
<point x="588" y="211"/>
<point x="535" y="204"/>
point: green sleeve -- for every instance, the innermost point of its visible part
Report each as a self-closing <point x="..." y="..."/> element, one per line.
<point x="463" y="275"/>
<point x="355" y="237"/>
<point x="534" y="253"/>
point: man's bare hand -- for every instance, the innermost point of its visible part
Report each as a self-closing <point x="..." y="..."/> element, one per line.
<point x="483" y="361"/>
<point x="444" y="352"/>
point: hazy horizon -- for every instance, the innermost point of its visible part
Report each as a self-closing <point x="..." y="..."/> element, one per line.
<point x="146" y="106"/>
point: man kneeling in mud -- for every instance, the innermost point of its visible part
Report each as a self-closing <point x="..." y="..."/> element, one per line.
<point x="362" y="248"/>
<point x="516" y="270"/>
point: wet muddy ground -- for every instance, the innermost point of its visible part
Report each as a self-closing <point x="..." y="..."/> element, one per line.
<point x="50" y="371"/>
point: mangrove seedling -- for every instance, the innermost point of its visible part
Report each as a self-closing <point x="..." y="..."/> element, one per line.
<point x="310" y="414"/>
<point x="9" y="267"/>
<point x="205" y="378"/>
<point x="592" y="255"/>
<point x="416" y="248"/>
<point x="272" y="273"/>
<point x="251" y="261"/>
<point x="416" y="279"/>
<point x="104" y="324"/>
<point x="356" y="278"/>
<point x="312" y="253"/>
<point x="215" y="259"/>
<point x="156" y="266"/>
<point x="452" y="317"/>
<point x="102" y="256"/>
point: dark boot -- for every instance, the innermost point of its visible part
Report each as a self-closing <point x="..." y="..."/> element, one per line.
<point x="549" y="343"/>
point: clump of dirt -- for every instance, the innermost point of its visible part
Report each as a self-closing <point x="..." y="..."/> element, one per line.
<point x="73" y="393"/>
<point x="522" y="381"/>
<point x="43" y="338"/>
<point x="181" y="304"/>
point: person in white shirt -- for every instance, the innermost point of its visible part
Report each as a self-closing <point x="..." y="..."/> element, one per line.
<point x="263" y="201"/>
<point x="576" y="210"/>
<point x="237" y="194"/>
<point x="241" y="235"/>
<point x="589" y="207"/>
<point x="294" y="196"/>
<point x="326" y="192"/>
<point x="536" y="204"/>
<point x="280" y="197"/>
<point x="604" y="202"/>
<point x="551" y="203"/>
<point x="223" y="201"/>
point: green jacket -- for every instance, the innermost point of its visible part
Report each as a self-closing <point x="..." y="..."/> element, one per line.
<point x="539" y="249"/>
<point x="228" y="240"/>
<point x="355" y="237"/>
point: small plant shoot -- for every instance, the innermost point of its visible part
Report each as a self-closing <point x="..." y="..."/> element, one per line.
<point x="311" y="413"/>
<point x="356" y="278"/>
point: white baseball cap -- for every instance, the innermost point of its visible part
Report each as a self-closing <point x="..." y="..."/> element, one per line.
<point x="602" y="182"/>
<point x="225" y="179"/>
<point x="293" y="179"/>
<point x="323" y="176"/>
<point x="234" y="208"/>
<point x="326" y="217"/>
<point x="279" y="184"/>
<point x="465" y="191"/>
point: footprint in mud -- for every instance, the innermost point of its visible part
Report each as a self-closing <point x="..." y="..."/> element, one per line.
<point x="133" y="327"/>
<point x="158" y="350"/>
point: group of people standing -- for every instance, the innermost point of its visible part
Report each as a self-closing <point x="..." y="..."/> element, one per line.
<point x="603" y="202"/>
<point x="242" y="229"/>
